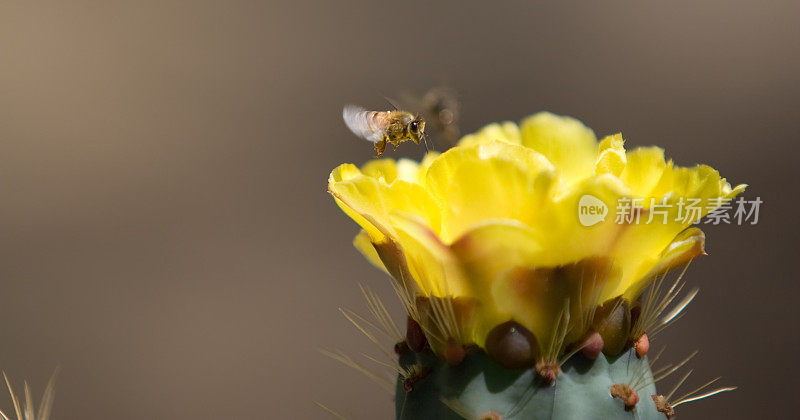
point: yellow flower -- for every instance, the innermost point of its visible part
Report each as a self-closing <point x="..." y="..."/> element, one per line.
<point x="493" y="225"/>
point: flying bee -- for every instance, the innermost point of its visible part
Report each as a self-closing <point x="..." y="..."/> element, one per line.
<point x="381" y="127"/>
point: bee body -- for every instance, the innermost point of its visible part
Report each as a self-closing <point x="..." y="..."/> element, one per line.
<point x="381" y="127"/>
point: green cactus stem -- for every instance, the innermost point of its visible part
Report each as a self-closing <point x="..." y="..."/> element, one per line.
<point x="479" y="388"/>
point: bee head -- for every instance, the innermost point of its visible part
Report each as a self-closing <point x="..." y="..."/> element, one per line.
<point x="416" y="129"/>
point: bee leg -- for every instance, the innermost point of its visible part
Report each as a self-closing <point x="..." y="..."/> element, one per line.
<point x="380" y="146"/>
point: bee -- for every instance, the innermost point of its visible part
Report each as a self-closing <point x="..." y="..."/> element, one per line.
<point x="381" y="127"/>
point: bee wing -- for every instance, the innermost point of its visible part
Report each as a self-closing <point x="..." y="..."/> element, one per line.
<point x="358" y="120"/>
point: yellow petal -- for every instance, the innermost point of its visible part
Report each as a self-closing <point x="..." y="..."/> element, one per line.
<point x="688" y="195"/>
<point x="685" y="247"/>
<point x="494" y="180"/>
<point x="344" y="172"/>
<point x="382" y="169"/>
<point x="364" y="245"/>
<point x="569" y="145"/>
<point x="506" y="131"/>
<point x="701" y="182"/>
<point x="639" y="245"/>
<point x="408" y="170"/>
<point x="611" y="157"/>
<point x="422" y="172"/>
<point x="388" y="170"/>
<point x="368" y="223"/>
<point x="536" y="296"/>
<point x="369" y="201"/>
<point x="564" y="238"/>
<point x="433" y="265"/>
<point x="492" y="247"/>
<point x="486" y="253"/>
<point x="643" y="169"/>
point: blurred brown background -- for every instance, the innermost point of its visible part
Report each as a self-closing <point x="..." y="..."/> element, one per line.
<point x="166" y="237"/>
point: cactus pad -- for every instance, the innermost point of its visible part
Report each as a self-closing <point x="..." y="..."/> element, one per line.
<point x="479" y="388"/>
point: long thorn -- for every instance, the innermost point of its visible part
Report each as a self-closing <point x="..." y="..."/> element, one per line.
<point x="706" y="395"/>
